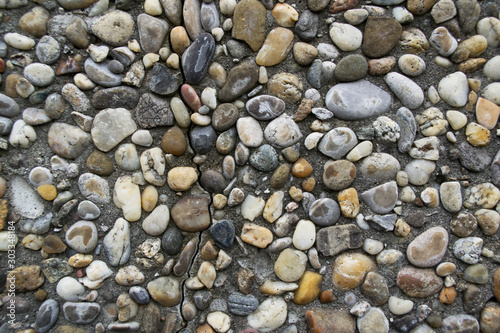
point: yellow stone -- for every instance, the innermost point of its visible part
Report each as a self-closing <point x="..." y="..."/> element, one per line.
<point x="295" y="193"/>
<point x="487" y="113"/>
<point x="274" y="207"/>
<point x="350" y="269"/>
<point x="285" y="15"/>
<point x="301" y="168"/>
<point x="149" y="198"/>
<point x="47" y="192"/>
<point x="402" y="229"/>
<point x="220" y="201"/>
<point x="477" y="135"/>
<point x="348" y="202"/>
<point x="181" y="178"/>
<point x="80" y="260"/>
<point x="256" y="235"/>
<point x="276" y="47"/>
<point x="309" y="287"/>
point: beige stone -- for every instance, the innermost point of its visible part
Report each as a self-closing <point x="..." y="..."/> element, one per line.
<point x="350" y="269"/>
<point x="285" y="15"/>
<point x="181" y="178"/>
<point x="487" y="113"/>
<point x="256" y="235"/>
<point x="276" y="47"/>
<point x="477" y="135"/>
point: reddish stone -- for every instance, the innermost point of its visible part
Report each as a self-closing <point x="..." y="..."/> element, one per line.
<point x="2" y="65"/>
<point x="330" y="321"/>
<point x="190" y="97"/>
<point x="338" y="6"/>
<point x="418" y="282"/>
<point x="68" y="66"/>
<point x="80" y="273"/>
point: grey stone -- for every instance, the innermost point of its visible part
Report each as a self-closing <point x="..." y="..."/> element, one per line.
<point x="81" y="312"/>
<point x="264" y="159"/>
<point x="100" y="74"/>
<point x="283" y="132"/>
<point x="46" y="316"/>
<point x="338" y="142"/>
<point x="48" y="50"/>
<point x="94" y="188"/>
<point x="197" y="57"/>
<point x="381" y="199"/>
<point x="334" y="240"/>
<point x="116" y="243"/>
<point x="460" y="323"/>
<point x="265" y="107"/>
<point x="240" y="80"/>
<point x="153" y="111"/>
<point x="202" y="139"/>
<point x="56" y="268"/>
<point x="5" y="125"/>
<point x="110" y="127"/>
<point x="324" y="212"/>
<point x="408" y="129"/>
<point x="351" y="68"/>
<point x="473" y="158"/>
<point x="8" y="107"/>
<point x="152" y="32"/>
<point x="164" y="81"/>
<point x="209" y="16"/>
<point x="409" y="93"/>
<point x="117" y="97"/>
<point x="307" y="26"/>
<point x="242" y="305"/>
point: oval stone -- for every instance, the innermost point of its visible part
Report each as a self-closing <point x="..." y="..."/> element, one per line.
<point x="191" y="213"/>
<point x="197" y="57"/>
<point x="357" y="100"/>
<point x="8" y="107"/>
<point x="82" y="237"/>
<point x="419" y="282"/>
<point x="427" y="249"/>
<point x="265" y="107"/>
<point x="337" y="142"/>
<point x="324" y="212"/>
<point x="338" y="175"/>
<point x="117" y="97"/>
<point x="379" y="167"/>
<point x="171" y="241"/>
<point x="100" y="74"/>
<point x="264" y="159"/>
<point x="381" y="199"/>
<point x="290" y="265"/>
<point x="225" y="116"/>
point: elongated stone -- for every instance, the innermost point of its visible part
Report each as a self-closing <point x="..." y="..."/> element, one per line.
<point x="197" y="57"/>
<point x="250" y="23"/>
<point x="116" y="243"/>
<point x="265" y="107"/>
<point x="334" y="240"/>
<point x="408" y="129"/>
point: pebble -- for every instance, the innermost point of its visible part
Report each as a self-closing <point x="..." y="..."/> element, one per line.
<point x="418" y="282"/>
<point x="488" y="221"/>
<point x="484" y="195"/>
<point x="219" y="321"/>
<point x="196" y="58"/>
<point x="24" y="200"/>
<point x="373" y="318"/>
<point x="256" y="235"/>
<point x="191" y="214"/>
<point x="19" y="41"/>
<point x="157" y="221"/>
<point x="419" y="171"/>
<point x="337" y="142"/>
<point x="283" y="132"/>
<point x="429" y="248"/>
<point x="202" y="138"/>
<point x="345" y="36"/>
<point x="114" y="28"/>
<point x="264" y="159"/>
<point x="249" y="19"/>
<point x="324" y="212"/>
<point x="399" y="306"/>
<point x="460" y="323"/>
<point x="46" y="316"/>
<point x="408" y="92"/>
<point x="490" y="92"/>
<point x="82" y="237"/>
<point x="468" y="249"/>
<point x="81" y="313"/>
<point x="380" y="36"/>
<point x="304" y="235"/>
<point x="249" y="131"/>
<point x="351" y="68"/>
<point x="336" y="239"/>
<point x="322" y="319"/>
<point x="487" y="113"/>
<point x="411" y="65"/>
<point x="116" y="243"/>
<point x="381" y="199"/>
<point x="379" y="167"/>
<point x="350" y="104"/>
<point x="350" y="269"/>
<point x="269" y="315"/>
<point x="276" y="47"/>
<point x="181" y="178"/>
<point x="274" y="207"/>
<point x="165" y="290"/>
<point x="375" y="288"/>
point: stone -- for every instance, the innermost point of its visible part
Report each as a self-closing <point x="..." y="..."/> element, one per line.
<point x="152" y="111"/>
<point x="202" y="138"/>
<point x="164" y="81"/>
<point x="429" y="248"/>
<point x="256" y="235"/>
<point x="100" y="74"/>
<point x="375" y="317"/>
<point x="24" y="199"/>
<point x="264" y="159"/>
<point x="8" y="107"/>
<point x="242" y="305"/>
<point x="419" y="171"/>
<point x="330" y="320"/>
<point x="274" y="207"/>
<point x="350" y="269"/>
<point x="249" y="23"/>
<point x="240" y="80"/>
<point x="156" y="223"/>
<point x="19" y="41"/>
<point x="347" y="103"/>
<point x="484" y="195"/>
<point x="418" y="282"/>
<point x="125" y="97"/>
<point x="26" y="277"/>
<point x="74" y="96"/>
<point x="488" y="221"/>
<point x="460" y="323"/>
<point x="473" y="158"/>
<point x="181" y="178"/>
<point x="351" y="68"/>
<point x="110" y="127"/>
<point x="407" y="91"/>
<point x="40" y="75"/>
<point x="152" y="32"/>
<point x="249" y="132"/>
<point x="114" y="28"/>
<point x="309" y="288"/>
<point x="454" y="89"/>
<point x="276" y="47"/>
<point x="451" y="196"/>
<point x="337" y="142"/>
<point x="375" y="288"/>
<point x="379" y="167"/>
<point x="196" y="58"/>
<point x="345" y="36"/>
<point x="468" y="249"/>
<point x="269" y="315"/>
<point x="70" y="289"/>
<point x="282" y="132"/>
<point x="380" y="36"/>
<point x="477" y="135"/>
<point x="116" y="243"/>
<point x="223" y="233"/>
<point x="191" y="214"/>
<point x="165" y="290"/>
<point x="381" y="66"/>
<point x="22" y="135"/>
<point x="153" y="166"/>
<point x="126" y="195"/>
<point x="381" y="199"/>
<point x="304" y="53"/>
<point x="304" y="235"/>
<point x="463" y="224"/>
<point x="324" y="212"/>
<point x="46" y="316"/>
<point x="82" y="237"/>
<point x="487" y="113"/>
<point x="336" y="239"/>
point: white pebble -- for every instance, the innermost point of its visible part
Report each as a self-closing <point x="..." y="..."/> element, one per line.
<point x="304" y="235"/>
<point x="142" y="138"/>
<point x="372" y="246"/>
<point x="19" y="41"/>
<point x="399" y="306"/>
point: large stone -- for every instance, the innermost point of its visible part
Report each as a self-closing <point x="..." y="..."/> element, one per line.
<point x="116" y="243"/>
<point x="165" y="290"/>
<point x="350" y="269"/>
<point x="191" y="213"/>
<point x="250" y="23"/>
<point x="419" y="282"/>
<point x="114" y="28"/>
<point x="330" y="320"/>
<point x="381" y="199"/>
<point x="428" y="248"/>
<point x="110" y="127"/>
<point x="68" y="141"/>
<point x="164" y="80"/>
<point x="276" y="47"/>
<point x="152" y="32"/>
<point x="153" y="111"/>
<point x="240" y="80"/>
<point x="334" y="240"/>
<point x="197" y="57"/>
<point x="381" y="35"/>
<point x="101" y="75"/>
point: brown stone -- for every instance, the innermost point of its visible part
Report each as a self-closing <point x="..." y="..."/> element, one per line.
<point x="496" y="283"/>
<point x="179" y="39"/>
<point x="490" y="318"/>
<point x="276" y="47"/>
<point x="174" y="142"/>
<point x="326" y="296"/>
<point x="191" y="213"/>
<point x="100" y="163"/>
<point x="330" y="321"/>
<point x="301" y="168"/>
<point x="245" y="279"/>
<point x="381" y="66"/>
<point x="428" y="248"/>
<point x="250" y="23"/>
<point x="34" y="22"/>
<point x="10" y="85"/>
<point x="53" y="244"/>
<point x="418" y="282"/>
<point x="381" y="35"/>
<point x="205" y="328"/>
<point x="337" y="175"/>
<point x="209" y="251"/>
<point x="348" y="202"/>
<point x="304" y="109"/>
<point x="447" y="295"/>
<point x="308" y="184"/>
<point x="471" y="65"/>
<point x="338" y="6"/>
<point x="309" y="287"/>
<point x="487" y="113"/>
<point x="26" y="278"/>
<point x="419" y="7"/>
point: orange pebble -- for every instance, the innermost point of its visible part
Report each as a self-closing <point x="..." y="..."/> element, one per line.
<point x="47" y="192"/>
<point x="309" y="184"/>
<point x="447" y="295"/>
<point x="301" y="168"/>
<point x="326" y="296"/>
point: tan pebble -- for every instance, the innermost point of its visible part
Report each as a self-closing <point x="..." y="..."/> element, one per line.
<point x="134" y="46"/>
<point x="53" y="244"/>
<point x="308" y="184"/>
<point x="381" y="66"/>
<point x="173" y="61"/>
<point x="472" y="47"/>
<point x="263" y="78"/>
<point x="402" y="229"/>
<point x="285" y="15"/>
<point x="446" y="268"/>
<point x="430" y="197"/>
<point x="201" y="119"/>
<point x="32" y="242"/>
<point x="326" y="296"/>
<point x="207" y="274"/>
<point x="474" y="84"/>
<point x="487" y="113"/>
<point x="179" y="40"/>
<point x="477" y="135"/>
<point x="274" y="207"/>
<point x="276" y="47"/>
<point x="295" y="193"/>
<point x="173" y="142"/>
<point x="447" y="295"/>
<point x="456" y="119"/>
<point x="149" y="198"/>
<point x="209" y="251"/>
<point x="152" y="7"/>
<point x="256" y="235"/>
<point x="309" y="288"/>
<point x="348" y="202"/>
<point x="218" y="74"/>
<point x="80" y="260"/>
<point x="149" y="59"/>
<point x="220" y="201"/>
<point x="205" y="328"/>
<point x="471" y="101"/>
<point x="304" y="109"/>
<point x="40" y="295"/>
<point x="350" y="269"/>
<point x="301" y="168"/>
<point x="304" y="53"/>
<point x="280" y="176"/>
<point x="471" y="65"/>
<point x="3" y="187"/>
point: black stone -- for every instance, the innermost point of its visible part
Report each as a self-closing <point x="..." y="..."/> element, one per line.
<point x="265" y="107"/>
<point x="472" y="158"/>
<point x="223" y="233"/>
<point x="139" y="295"/>
<point x="213" y="181"/>
<point x="242" y="305"/>
<point x="202" y="139"/>
<point x="117" y="97"/>
<point x="240" y="80"/>
<point x="314" y="74"/>
<point x="171" y="241"/>
<point x="406" y="323"/>
<point x="197" y="58"/>
<point x="153" y="111"/>
<point x="164" y="81"/>
<point x="225" y="116"/>
<point x="307" y="26"/>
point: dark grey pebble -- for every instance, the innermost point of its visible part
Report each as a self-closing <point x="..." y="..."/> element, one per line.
<point x="472" y="158"/>
<point x="164" y="81"/>
<point x="171" y="241"/>
<point x="117" y="97"/>
<point x="351" y="68"/>
<point x="223" y="233"/>
<point x="202" y="139"/>
<point x="197" y="58"/>
<point x="324" y="212"/>
<point x="202" y="299"/>
<point x="139" y="294"/>
<point x="265" y="107"/>
<point x="101" y="75"/>
<point x="242" y="305"/>
<point x="264" y="159"/>
<point x="81" y="313"/>
<point x="307" y="26"/>
<point x="408" y="129"/>
<point x="46" y="316"/>
<point x="314" y="74"/>
<point x="116" y="67"/>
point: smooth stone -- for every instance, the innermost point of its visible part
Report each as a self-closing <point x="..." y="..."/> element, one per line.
<point x="473" y="158"/>
<point x="46" y="316"/>
<point x="428" y="248"/>
<point x="418" y="282"/>
<point x="477" y="274"/>
<point x="381" y="35"/>
<point x="226" y="143"/>
<point x="242" y="305"/>
<point x="381" y="199"/>
<point x="139" y="295"/>
<point x="223" y="233"/>
<point x="185" y="257"/>
<point x="207" y="274"/>
<point x="173" y="142"/>
<point x="306" y="26"/>
<point x="490" y="92"/>
<point x="110" y="127"/>
<point x="172" y="241"/>
<point x="249" y="131"/>
<point x="454" y="89"/>
<point x="355" y="16"/>
<point x="324" y="212"/>
<point x="330" y="320"/>
<point x="74" y="96"/>
<point x="152" y="32"/>
<point x="117" y="97"/>
<point x="19" y="41"/>
<point x="157" y="221"/>
<point x="282" y="132"/>
<point x="209" y="16"/>
<point x="337" y="142"/>
<point x="164" y="81"/>
<point x="304" y="53"/>
<point x="460" y="323"/>
<point x="484" y="195"/>
<point x="129" y="276"/>
<point x="347" y="102"/>
<point x="315" y="74"/>
<point x="256" y="235"/>
<point x="96" y="273"/>
<point x="225" y="116"/>
<point x="197" y="57"/>
<point x="345" y="36"/>
<point x="249" y="20"/>
<point x="487" y="113"/>
<point x="81" y="313"/>
<point x="192" y="20"/>
<point x="179" y="39"/>
<point x="468" y="249"/>
<point x="407" y="91"/>
<point x="375" y="317"/>
<point x="70" y="289"/>
<point x="488" y="221"/>
<point x="100" y="74"/>
<point x="116" y="243"/>
<point x="181" y="178"/>
<point x="22" y="135"/>
<point x="350" y="269"/>
<point x="202" y="139"/>
<point x="126" y="157"/>
<point x="443" y="41"/>
<point x="114" y="28"/>
<point x="269" y="315"/>
<point x="100" y="164"/>
<point x="419" y="171"/>
<point x="451" y="196"/>
<point x="252" y="207"/>
<point x="8" y="107"/>
<point x="351" y="68"/>
<point x="191" y="214"/>
<point x="381" y="66"/>
<point x="264" y="158"/>
<point x="309" y="288"/>
<point x="489" y="27"/>
<point x="334" y="240"/>
<point x="82" y="237"/>
<point x="399" y="306"/>
<point x="265" y="107"/>
<point x="379" y="167"/>
<point x="443" y="10"/>
<point x="304" y="235"/>
<point x="375" y="288"/>
<point x="276" y="47"/>
<point x="220" y="321"/>
<point x="40" y="75"/>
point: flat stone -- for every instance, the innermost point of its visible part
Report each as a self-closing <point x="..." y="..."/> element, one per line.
<point x="110" y="127"/>
<point x="197" y="57"/>
<point x="25" y="201"/>
<point x="185" y="257"/>
<point x="379" y="167"/>
<point x="152" y="32"/>
<point x="100" y="164"/>
<point x="82" y="237"/>
<point x="249" y="131"/>
<point x="276" y="47"/>
<point x="81" y="313"/>
<point x="407" y="91"/>
<point x="451" y="196"/>
<point x="191" y="213"/>
<point x="164" y="80"/>
<point x="473" y="158"/>
<point x="209" y="16"/>
<point x="100" y="74"/>
<point x="40" y="75"/>
<point x="428" y="248"/>
<point x="27" y="277"/>
<point x="8" y="107"/>
<point x="419" y="282"/>
<point x="334" y="240"/>
<point x="265" y="107"/>
<point x="249" y="20"/>
<point x="156" y="223"/>
<point x="419" y="171"/>
<point x="225" y="116"/>
<point x="153" y="111"/>
<point x="192" y="20"/>
<point x="282" y="132"/>
<point x="350" y="269"/>
<point x="337" y="142"/>
<point x="385" y="222"/>
<point x="375" y="288"/>
<point x="381" y="199"/>
<point x="460" y="323"/>
<point x="256" y="235"/>
<point x="117" y="97"/>
<point x="242" y="305"/>
<point x="46" y="316"/>
<point x="114" y="28"/>
<point x="181" y="178"/>
<point x="324" y="212"/>
<point x="345" y="36"/>
<point x="223" y="233"/>
<point x="347" y="102"/>
<point x="351" y="68"/>
<point x="381" y="35"/>
<point x="116" y="243"/>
